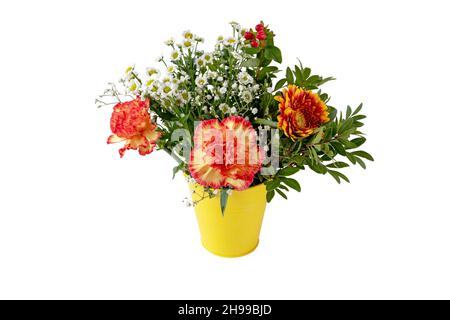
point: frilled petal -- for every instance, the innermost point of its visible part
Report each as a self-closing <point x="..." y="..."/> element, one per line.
<point x="131" y="123"/>
<point x="203" y="172"/>
<point x="225" y="153"/>
<point x="114" y="139"/>
<point x="301" y="112"/>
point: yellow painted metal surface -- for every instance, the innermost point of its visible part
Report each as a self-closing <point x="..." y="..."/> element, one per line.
<point x="236" y="233"/>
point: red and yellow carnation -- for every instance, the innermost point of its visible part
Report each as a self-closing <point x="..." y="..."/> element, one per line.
<point x="225" y="154"/>
<point x="131" y="123"/>
<point x="301" y="112"/>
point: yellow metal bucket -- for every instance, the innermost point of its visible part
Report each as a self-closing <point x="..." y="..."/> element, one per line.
<point x="236" y="233"/>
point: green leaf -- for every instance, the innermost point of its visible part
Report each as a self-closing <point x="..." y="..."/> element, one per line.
<point x="251" y="50"/>
<point x="250" y="63"/>
<point x="337" y="176"/>
<point x="361" y="163"/>
<point x="359" y="117"/>
<point x="266" y="122"/>
<point x="321" y="82"/>
<point x="317" y="167"/>
<point x="270" y="195"/>
<point x="332" y="113"/>
<point x="298" y="76"/>
<point x="288" y="171"/>
<point x="289" y="76"/>
<point x="273" y="53"/>
<point x="338" y="164"/>
<point x="281" y="193"/>
<point x="266" y="70"/>
<point x="272" y="184"/>
<point x="338" y="147"/>
<point x="280" y="84"/>
<point x="291" y="183"/>
<point x="358" y="109"/>
<point x="316" y="139"/>
<point x="306" y="73"/>
<point x="223" y="200"/>
<point x="345" y="125"/>
<point x="175" y="170"/>
<point x="351" y="157"/>
<point x="349" y="112"/>
<point x="363" y="154"/>
<point x="358" y="141"/>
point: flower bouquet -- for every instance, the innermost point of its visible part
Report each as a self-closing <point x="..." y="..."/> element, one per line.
<point x="237" y="130"/>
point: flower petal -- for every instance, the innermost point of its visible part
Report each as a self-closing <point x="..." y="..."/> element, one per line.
<point x="114" y="139"/>
<point x="203" y="172"/>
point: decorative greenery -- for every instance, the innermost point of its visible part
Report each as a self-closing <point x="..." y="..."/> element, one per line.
<point x="239" y="80"/>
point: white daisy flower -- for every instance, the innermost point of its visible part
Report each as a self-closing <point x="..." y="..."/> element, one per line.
<point x="247" y="97"/>
<point x="170" y="42"/>
<point x="152" y="72"/>
<point x="129" y="69"/>
<point x="175" y="55"/>
<point x="133" y="86"/>
<point x="224" y="107"/>
<point x="185" y="96"/>
<point x="244" y="78"/>
<point x="186" y="43"/>
<point x="166" y="89"/>
<point x="149" y="82"/>
<point x="230" y="41"/>
<point x="207" y="57"/>
<point x="166" y="80"/>
<point x="236" y="25"/>
<point x="212" y="74"/>
<point x="201" y="81"/>
<point x="200" y="62"/>
<point x="171" y="69"/>
<point x="188" y="34"/>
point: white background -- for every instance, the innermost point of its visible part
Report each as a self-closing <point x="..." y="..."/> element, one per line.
<point x="76" y="221"/>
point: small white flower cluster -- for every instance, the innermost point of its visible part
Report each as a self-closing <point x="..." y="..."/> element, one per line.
<point x="131" y="81"/>
<point x="214" y="83"/>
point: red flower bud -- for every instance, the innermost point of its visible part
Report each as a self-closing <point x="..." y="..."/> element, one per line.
<point x="261" y="35"/>
<point x="254" y="44"/>
<point x="249" y="35"/>
<point x="259" y="27"/>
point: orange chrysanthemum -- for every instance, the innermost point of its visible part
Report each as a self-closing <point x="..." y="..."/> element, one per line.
<point x="301" y="111"/>
<point x="130" y="123"/>
<point x="225" y="154"/>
